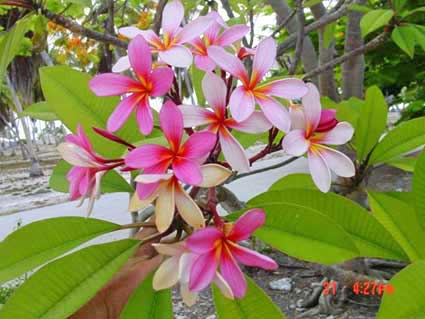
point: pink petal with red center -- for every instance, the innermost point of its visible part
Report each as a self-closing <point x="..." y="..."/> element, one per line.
<point x="111" y="84"/>
<point x="242" y="104"/>
<point x="232" y="34"/>
<point x="215" y="92"/>
<point x="177" y="55"/>
<point x="203" y="241"/>
<point x="327" y="120"/>
<point x="251" y="258"/>
<point x="162" y="79"/>
<point x="277" y="114"/>
<point x="232" y="273"/>
<point x="203" y="271"/>
<point x="188" y="171"/>
<point x="130" y="32"/>
<point x="122" y="112"/>
<point x="228" y="62"/>
<point x="204" y="63"/>
<point x="312" y="108"/>
<point x="171" y="122"/>
<point x="198" y="145"/>
<point x="195" y="115"/>
<point x="140" y="57"/>
<point x="264" y="58"/>
<point x="194" y="29"/>
<point x="188" y="209"/>
<point x="247" y="224"/>
<point x="147" y="155"/>
<point x="122" y="64"/>
<point x="338" y="162"/>
<point x="339" y="135"/>
<point x="289" y="89"/>
<point x="144" y="117"/>
<point x="319" y="171"/>
<point x="233" y="151"/>
<point x="256" y="123"/>
<point x="172" y="16"/>
<point x="295" y="143"/>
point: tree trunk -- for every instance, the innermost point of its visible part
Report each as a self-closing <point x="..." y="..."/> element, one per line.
<point x="353" y="69"/>
<point x="308" y="56"/>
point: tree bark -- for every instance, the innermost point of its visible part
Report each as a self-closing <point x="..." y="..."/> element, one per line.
<point x="308" y="55"/>
<point x="353" y="69"/>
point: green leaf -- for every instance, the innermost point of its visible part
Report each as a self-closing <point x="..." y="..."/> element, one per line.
<point x="400" y="220"/>
<point x="408" y="13"/>
<point x="10" y="44"/>
<point x="39" y="111"/>
<point x="405" y="37"/>
<point x="419" y="189"/>
<point x="420" y="34"/>
<point x="370" y="237"/>
<point x="299" y="180"/>
<point x="328" y="34"/>
<point x="405" y="163"/>
<point x="349" y="111"/>
<point x="256" y="304"/>
<point x="398" y="4"/>
<point x="305" y="233"/>
<point x="403" y="138"/>
<point x="374" y="20"/>
<point x="311" y="3"/>
<point x="48" y="239"/>
<point x="408" y="299"/>
<point x="60" y="288"/>
<point x="372" y="122"/>
<point x="112" y="182"/>
<point x="68" y="95"/>
<point x="359" y="8"/>
<point x="247" y="140"/>
<point x="146" y="303"/>
<point x="197" y="76"/>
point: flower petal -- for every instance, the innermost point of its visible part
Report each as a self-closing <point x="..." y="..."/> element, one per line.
<point x="188" y="171"/>
<point x="177" y="55"/>
<point x="204" y="63"/>
<point x="164" y="207"/>
<point x="188" y="209"/>
<point x="137" y="204"/>
<point x="339" y="135"/>
<point x="129" y="32"/>
<point x="171" y="122"/>
<point x="151" y="37"/>
<point x="203" y="240"/>
<point x="242" y="104"/>
<point x="172" y="16"/>
<point x="146" y="193"/>
<point x="122" y="112"/>
<point x="232" y="34"/>
<point x="290" y="89"/>
<point x="195" y="115"/>
<point x="215" y="92"/>
<point x="338" y="162"/>
<point x="152" y="178"/>
<point x="140" y="57"/>
<point x="162" y="79"/>
<point x="295" y="143"/>
<point x="297" y="117"/>
<point x="144" y="117"/>
<point x="166" y="276"/>
<point x="198" y="145"/>
<point x="203" y="271"/>
<point x="256" y="123"/>
<point x="76" y="155"/>
<point x="194" y="29"/>
<point x="252" y="258"/>
<point x="312" y="108"/>
<point x="228" y="62"/>
<point x="223" y="286"/>
<point x="213" y="175"/>
<point x="232" y="273"/>
<point x="327" y="120"/>
<point x="247" y="224"/>
<point x="122" y="64"/>
<point x="111" y="84"/>
<point x="147" y="155"/>
<point x="189" y="297"/>
<point x="277" y="114"/>
<point x="319" y="171"/>
<point x="264" y="58"/>
<point x="233" y="151"/>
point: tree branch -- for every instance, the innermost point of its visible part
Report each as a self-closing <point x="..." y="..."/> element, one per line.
<point x="158" y="16"/>
<point x="283" y="23"/>
<point x="300" y="36"/>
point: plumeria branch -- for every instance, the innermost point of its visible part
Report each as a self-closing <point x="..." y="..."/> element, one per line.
<point x="300" y="36"/>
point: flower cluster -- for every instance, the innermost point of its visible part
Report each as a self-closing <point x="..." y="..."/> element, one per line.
<point x="196" y="136"/>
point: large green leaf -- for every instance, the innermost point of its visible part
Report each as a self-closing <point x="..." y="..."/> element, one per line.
<point x="420" y="33"/>
<point x="370" y="237"/>
<point x="294" y="181"/>
<point x="68" y="95"/>
<point x="63" y="286"/>
<point x="256" y="304"/>
<point x="400" y="220"/>
<point x="349" y="111"/>
<point x="403" y="138"/>
<point x="398" y="4"/>
<point x="305" y="233"/>
<point x="408" y="298"/>
<point x="419" y="189"/>
<point x="372" y="122"/>
<point x="112" y="182"/>
<point x="11" y="43"/>
<point x="39" y="111"/>
<point x="405" y="38"/>
<point x="146" y="303"/>
<point x="197" y="76"/>
<point x="405" y="163"/>
<point x="374" y="20"/>
<point x="39" y="242"/>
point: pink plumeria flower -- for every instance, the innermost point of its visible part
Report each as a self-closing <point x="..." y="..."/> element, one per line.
<point x="169" y="194"/>
<point x="213" y="37"/>
<point x="88" y="170"/>
<point x="218" y="248"/>
<point x="176" y="269"/>
<point x="150" y="83"/>
<point x="243" y="99"/>
<point x="318" y="129"/>
<point x="215" y="90"/>
<point x="170" y="48"/>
